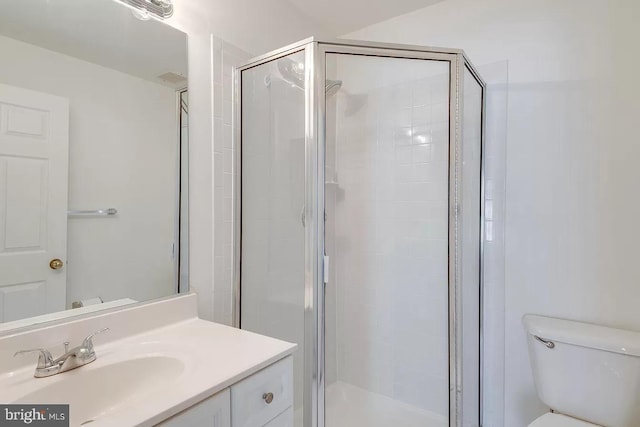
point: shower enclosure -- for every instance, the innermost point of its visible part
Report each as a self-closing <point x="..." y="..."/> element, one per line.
<point x="358" y="211"/>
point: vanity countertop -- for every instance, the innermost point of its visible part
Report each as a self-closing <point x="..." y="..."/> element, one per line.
<point x="185" y="362"/>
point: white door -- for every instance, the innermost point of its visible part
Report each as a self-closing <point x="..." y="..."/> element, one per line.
<point x="34" y="155"/>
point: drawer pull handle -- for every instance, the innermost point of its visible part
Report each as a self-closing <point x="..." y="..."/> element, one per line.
<point x="268" y="397"/>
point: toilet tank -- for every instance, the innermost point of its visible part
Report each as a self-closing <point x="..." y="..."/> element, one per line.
<point x="586" y="371"/>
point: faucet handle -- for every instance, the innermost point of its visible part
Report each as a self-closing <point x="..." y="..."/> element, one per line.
<point x="87" y="343"/>
<point x="45" y="360"/>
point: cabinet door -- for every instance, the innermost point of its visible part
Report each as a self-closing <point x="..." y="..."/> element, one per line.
<point x="212" y="412"/>
<point x="285" y="419"/>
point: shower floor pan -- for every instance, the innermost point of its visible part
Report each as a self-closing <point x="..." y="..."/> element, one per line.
<point x="350" y="406"/>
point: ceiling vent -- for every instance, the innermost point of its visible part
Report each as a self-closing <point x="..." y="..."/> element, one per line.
<point x="173" y="78"/>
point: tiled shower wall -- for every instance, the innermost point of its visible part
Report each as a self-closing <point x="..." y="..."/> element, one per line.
<point x="225" y="58"/>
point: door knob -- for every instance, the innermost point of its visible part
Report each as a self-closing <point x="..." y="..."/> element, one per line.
<point x="56" y="264"/>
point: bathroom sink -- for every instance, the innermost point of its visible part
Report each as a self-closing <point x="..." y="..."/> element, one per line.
<point x="145" y="372"/>
<point x="96" y="393"/>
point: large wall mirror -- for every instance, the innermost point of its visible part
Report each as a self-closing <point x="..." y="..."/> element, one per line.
<point x="93" y="159"/>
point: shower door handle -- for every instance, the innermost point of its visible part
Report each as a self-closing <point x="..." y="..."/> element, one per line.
<point x="303" y="217"/>
<point x="325" y="269"/>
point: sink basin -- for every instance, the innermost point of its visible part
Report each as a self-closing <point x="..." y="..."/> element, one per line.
<point x="95" y="393"/>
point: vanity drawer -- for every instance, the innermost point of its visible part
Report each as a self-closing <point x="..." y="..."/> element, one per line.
<point x="266" y="394"/>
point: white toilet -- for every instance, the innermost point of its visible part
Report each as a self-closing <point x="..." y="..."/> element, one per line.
<point x="588" y="375"/>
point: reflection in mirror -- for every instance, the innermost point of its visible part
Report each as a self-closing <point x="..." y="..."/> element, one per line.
<point x="93" y="159"/>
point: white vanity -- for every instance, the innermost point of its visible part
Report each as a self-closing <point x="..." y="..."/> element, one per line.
<point x="159" y="364"/>
<point x="246" y="403"/>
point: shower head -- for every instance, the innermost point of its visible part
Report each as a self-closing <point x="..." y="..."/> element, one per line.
<point x="293" y="73"/>
<point x="332" y="87"/>
<point x="354" y="103"/>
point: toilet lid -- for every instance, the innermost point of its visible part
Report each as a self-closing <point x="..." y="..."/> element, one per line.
<point x="557" y="420"/>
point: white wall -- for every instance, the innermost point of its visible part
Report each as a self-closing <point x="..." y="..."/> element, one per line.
<point x="619" y="172"/>
<point x="117" y="123"/>
<point x="570" y="212"/>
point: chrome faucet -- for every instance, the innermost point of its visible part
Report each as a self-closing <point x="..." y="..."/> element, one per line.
<point x="71" y="359"/>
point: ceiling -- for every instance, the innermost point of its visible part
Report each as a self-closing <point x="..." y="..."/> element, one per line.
<point x="340" y="17"/>
<point x="258" y="26"/>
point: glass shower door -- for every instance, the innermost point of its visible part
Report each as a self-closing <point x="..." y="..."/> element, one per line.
<point x="359" y="229"/>
<point x="387" y="233"/>
<point x="273" y="198"/>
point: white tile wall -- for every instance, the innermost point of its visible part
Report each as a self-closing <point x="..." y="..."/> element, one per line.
<point x="225" y="58"/>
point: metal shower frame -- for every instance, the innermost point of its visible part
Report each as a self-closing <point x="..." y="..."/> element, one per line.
<point x="315" y="51"/>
